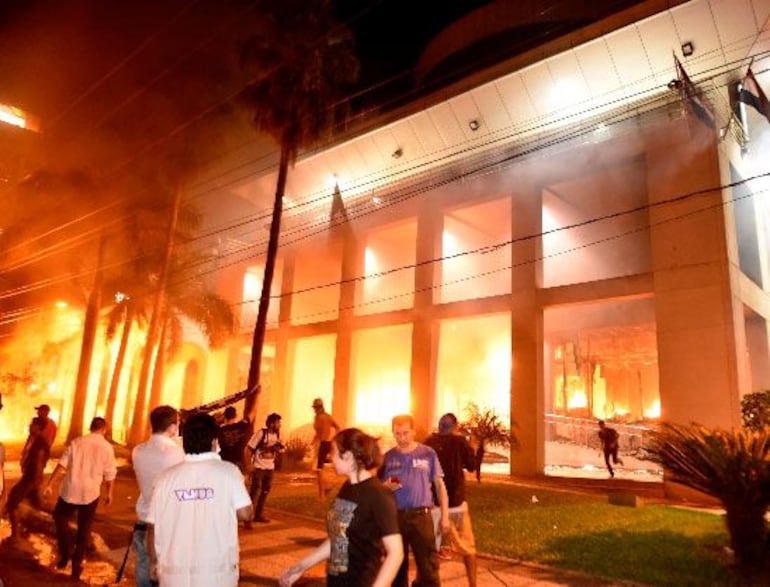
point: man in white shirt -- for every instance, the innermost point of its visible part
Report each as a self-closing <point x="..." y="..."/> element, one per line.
<point x="87" y="462"/>
<point x="150" y="459"/>
<point x="194" y="512"/>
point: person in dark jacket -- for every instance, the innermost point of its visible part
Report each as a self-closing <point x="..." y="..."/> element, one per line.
<point x="610" y="445"/>
<point x="455" y="454"/>
<point x="32" y="465"/>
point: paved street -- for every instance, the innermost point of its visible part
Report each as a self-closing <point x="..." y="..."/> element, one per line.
<point x="265" y="551"/>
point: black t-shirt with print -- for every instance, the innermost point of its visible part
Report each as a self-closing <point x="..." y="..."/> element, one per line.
<point x="358" y="518"/>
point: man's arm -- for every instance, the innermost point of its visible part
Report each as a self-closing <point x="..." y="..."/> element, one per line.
<point x="443" y="502"/>
<point x="108" y="496"/>
<point x="58" y="471"/>
<point x="244" y="513"/>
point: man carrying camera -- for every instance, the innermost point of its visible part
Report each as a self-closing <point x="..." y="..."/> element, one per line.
<point x="264" y="445"/>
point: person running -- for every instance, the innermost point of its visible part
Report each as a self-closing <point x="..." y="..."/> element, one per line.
<point x="364" y="545"/>
<point x="455" y="454"/>
<point x="87" y="463"/>
<point x="411" y="470"/>
<point x="32" y="467"/>
<point x="150" y="459"/>
<point x="264" y="446"/>
<point x="325" y="428"/>
<point x="609" y="439"/>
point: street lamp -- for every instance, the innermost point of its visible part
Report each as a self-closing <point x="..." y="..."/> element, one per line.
<point x="17" y="117"/>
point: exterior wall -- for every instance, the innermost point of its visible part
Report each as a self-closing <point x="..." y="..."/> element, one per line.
<point x="697" y="339"/>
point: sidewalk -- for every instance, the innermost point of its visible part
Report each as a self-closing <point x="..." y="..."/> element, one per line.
<point x="265" y="551"/>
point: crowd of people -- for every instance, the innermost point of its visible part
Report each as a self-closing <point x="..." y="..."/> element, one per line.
<point x="409" y="499"/>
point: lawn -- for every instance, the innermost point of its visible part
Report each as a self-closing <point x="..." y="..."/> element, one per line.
<point x="651" y="544"/>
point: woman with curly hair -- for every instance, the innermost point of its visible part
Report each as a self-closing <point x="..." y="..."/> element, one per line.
<point x="364" y="545"/>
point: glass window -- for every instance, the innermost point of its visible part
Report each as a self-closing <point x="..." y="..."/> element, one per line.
<point x="252" y="289"/>
<point x="484" y="273"/>
<point x="380" y="379"/>
<point x="601" y="362"/>
<point x="474" y="365"/>
<point x="386" y="286"/>
<point x="311" y="375"/>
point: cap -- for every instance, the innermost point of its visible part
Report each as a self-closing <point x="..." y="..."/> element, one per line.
<point x="43" y="408"/>
<point x="318" y="403"/>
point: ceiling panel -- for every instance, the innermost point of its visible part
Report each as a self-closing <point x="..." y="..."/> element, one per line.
<point x="387" y="145"/>
<point x="427" y="134"/>
<point x="407" y="140"/>
<point x="695" y="23"/>
<point x="516" y="100"/>
<point x="594" y="57"/>
<point x="370" y="153"/>
<point x="494" y="117"/>
<point x="761" y="12"/>
<point x="630" y="59"/>
<point x="355" y="165"/>
<point x="539" y="84"/>
<point x="660" y="39"/>
<point x="570" y="88"/>
<point x="446" y="123"/>
<point x="735" y="25"/>
<point x="465" y="110"/>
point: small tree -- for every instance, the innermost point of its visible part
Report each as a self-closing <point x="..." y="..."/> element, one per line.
<point x="486" y="427"/>
<point x="732" y="466"/>
<point x="755" y="409"/>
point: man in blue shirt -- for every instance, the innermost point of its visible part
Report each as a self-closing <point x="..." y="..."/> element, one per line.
<point x="410" y="470"/>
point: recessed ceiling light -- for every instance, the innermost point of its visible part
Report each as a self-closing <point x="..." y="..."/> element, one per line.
<point x="474" y="124"/>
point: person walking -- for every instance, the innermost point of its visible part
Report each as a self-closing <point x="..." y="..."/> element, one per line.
<point x="194" y="512"/>
<point x="234" y="434"/>
<point x="411" y="470"/>
<point x="87" y="463"/>
<point x="264" y="446"/>
<point x="455" y="454"/>
<point x="325" y="427"/>
<point x="49" y="426"/>
<point x="610" y="445"/>
<point x="32" y="466"/>
<point x="363" y="547"/>
<point x="150" y="459"/>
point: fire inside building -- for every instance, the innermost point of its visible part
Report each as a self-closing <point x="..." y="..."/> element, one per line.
<point x="580" y="231"/>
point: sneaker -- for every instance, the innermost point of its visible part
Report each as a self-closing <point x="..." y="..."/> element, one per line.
<point x="262" y="520"/>
<point x="248" y="526"/>
<point x="62" y="562"/>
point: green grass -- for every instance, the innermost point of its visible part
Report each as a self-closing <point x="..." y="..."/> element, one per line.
<point x="651" y="544"/>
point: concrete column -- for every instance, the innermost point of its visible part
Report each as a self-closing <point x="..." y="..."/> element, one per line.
<point x="352" y="266"/>
<point x="278" y="397"/>
<point x="429" y="228"/>
<point x="527" y="392"/>
<point x="697" y="316"/>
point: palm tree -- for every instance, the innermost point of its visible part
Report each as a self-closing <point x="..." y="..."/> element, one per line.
<point x="301" y="59"/>
<point x="734" y="467"/>
<point x="486" y="427"/>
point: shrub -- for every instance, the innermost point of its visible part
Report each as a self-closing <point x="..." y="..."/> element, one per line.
<point x="755" y="409"/>
<point x="297" y="448"/>
<point x="732" y="466"/>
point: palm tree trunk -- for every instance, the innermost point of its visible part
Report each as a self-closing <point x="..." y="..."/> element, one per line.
<point x="156" y="390"/>
<point x="90" y="324"/>
<point x="112" y="395"/>
<point x="136" y="434"/>
<point x="250" y="405"/>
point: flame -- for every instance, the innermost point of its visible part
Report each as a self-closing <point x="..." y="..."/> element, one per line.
<point x="653" y="411"/>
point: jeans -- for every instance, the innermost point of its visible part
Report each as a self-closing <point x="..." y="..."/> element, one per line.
<point x="416" y="526"/>
<point x="62" y="514"/>
<point x="142" y="560"/>
<point x="261" y="484"/>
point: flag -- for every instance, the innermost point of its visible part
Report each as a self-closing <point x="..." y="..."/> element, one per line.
<point x="338" y="214"/>
<point x="694" y="97"/>
<point x="751" y="93"/>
